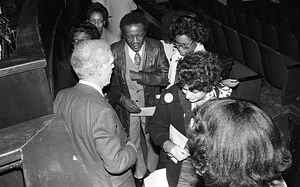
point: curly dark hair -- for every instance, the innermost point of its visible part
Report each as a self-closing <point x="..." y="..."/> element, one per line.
<point x="199" y="71"/>
<point x="87" y="28"/>
<point x="234" y="143"/>
<point x="133" y="18"/>
<point x="96" y="7"/>
<point x="168" y="19"/>
<point x="191" y="26"/>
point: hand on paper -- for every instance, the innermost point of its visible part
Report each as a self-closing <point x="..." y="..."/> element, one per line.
<point x="131" y="106"/>
<point x="179" y="153"/>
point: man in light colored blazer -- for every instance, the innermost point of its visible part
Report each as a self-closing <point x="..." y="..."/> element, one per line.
<point x="92" y="122"/>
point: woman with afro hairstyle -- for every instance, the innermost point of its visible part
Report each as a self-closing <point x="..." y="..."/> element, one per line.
<point x="183" y="33"/>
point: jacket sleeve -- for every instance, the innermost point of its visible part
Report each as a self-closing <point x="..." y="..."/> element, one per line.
<point x="110" y="143"/>
<point x="156" y="75"/>
<point x="158" y="126"/>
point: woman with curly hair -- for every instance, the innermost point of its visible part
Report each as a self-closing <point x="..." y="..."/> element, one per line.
<point x="234" y="143"/>
<point x="198" y="77"/>
<point x="183" y="33"/>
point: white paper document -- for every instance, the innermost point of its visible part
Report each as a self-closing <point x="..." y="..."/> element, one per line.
<point x="177" y="138"/>
<point x="157" y="179"/>
<point x="146" y="111"/>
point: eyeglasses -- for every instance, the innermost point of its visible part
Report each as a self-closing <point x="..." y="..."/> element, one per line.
<point x="96" y="22"/>
<point x="77" y="41"/>
<point x="182" y="46"/>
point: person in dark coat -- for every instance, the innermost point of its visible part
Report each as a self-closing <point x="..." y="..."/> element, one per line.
<point x="141" y="68"/>
<point x="197" y="80"/>
<point x="66" y="76"/>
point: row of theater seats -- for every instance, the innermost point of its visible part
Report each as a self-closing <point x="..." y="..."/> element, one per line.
<point x="276" y="31"/>
<point x="278" y="69"/>
<point x="288" y="9"/>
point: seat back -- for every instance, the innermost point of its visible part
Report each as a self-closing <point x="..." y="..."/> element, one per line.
<point x="231" y="18"/>
<point x="223" y="14"/>
<point x="250" y="82"/>
<point x="295" y="28"/>
<point x="282" y="73"/>
<point x="219" y="37"/>
<point x="242" y="23"/>
<point x="216" y="13"/>
<point x="272" y="7"/>
<point x="270" y="36"/>
<point x="233" y="43"/>
<point x="251" y="53"/>
<point x="293" y="14"/>
<point x="288" y="44"/>
<point x="284" y="24"/>
<point x="272" y="65"/>
<point x="254" y="29"/>
<point x="281" y="10"/>
<point x="259" y="14"/>
<point x="249" y="9"/>
<point x="271" y="19"/>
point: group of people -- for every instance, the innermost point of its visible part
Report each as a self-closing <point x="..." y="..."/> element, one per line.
<point x="230" y="142"/>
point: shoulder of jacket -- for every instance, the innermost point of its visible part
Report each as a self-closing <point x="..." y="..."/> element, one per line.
<point x="170" y="95"/>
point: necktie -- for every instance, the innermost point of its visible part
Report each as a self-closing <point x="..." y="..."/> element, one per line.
<point x="137" y="59"/>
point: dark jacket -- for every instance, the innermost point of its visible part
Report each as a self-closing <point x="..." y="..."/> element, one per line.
<point x="171" y="109"/>
<point x="154" y="75"/>
<point x="66" y="78"/>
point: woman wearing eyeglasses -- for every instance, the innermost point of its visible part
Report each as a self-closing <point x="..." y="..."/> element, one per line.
<point x="183" y="34"/>
<point x="66" y="77"/>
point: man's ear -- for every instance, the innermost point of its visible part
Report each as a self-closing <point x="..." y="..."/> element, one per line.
<point x="99" y="70"/>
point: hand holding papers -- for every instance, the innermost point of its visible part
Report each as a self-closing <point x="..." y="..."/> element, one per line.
<point x="178" y="152"/>
<point x="146" y="111"/>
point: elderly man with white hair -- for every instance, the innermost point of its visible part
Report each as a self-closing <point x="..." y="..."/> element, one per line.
<point x="91" y="121"/>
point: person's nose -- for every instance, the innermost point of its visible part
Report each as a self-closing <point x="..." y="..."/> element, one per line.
<point x="187" y="95"/>
<point x="135" y="39"/>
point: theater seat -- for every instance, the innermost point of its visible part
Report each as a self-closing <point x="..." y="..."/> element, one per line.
<point x="250" y="81"/>
<point x="282" y="73"/>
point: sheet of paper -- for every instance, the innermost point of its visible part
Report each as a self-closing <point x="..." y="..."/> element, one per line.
<point x="157" y="179"/>
<point x="177" y="138"/>
<point x="146" y="111"/>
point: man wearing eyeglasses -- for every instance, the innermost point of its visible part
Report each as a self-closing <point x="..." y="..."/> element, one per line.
<point x="141" y="68"/>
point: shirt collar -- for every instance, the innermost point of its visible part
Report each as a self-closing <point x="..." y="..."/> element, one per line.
<point x="98" y="88"/>
<point x="132" y="53"/>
